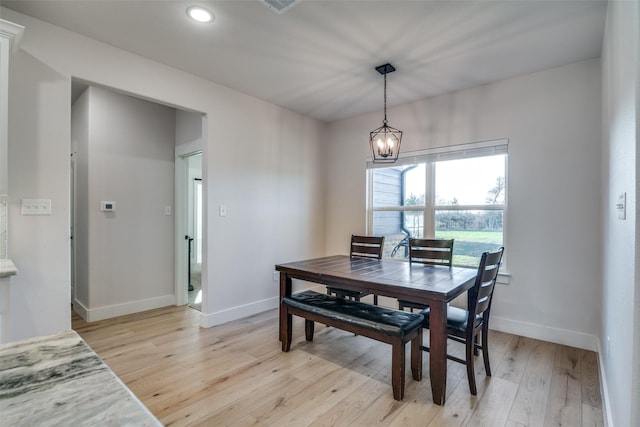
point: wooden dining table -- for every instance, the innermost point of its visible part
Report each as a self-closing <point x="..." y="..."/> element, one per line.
<point x="431" y="285"/>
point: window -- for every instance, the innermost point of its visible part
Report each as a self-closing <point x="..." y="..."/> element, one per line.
<point x="455" y="193"/>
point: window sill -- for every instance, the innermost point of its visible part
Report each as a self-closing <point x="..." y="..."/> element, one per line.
<point x="504" y="278"/>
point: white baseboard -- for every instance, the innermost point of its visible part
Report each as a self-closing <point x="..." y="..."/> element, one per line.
<point x="79" y="308"/>
<point x="545" y="333"/>
<point x="238" y="312"/>
<point x="604" y="389"/>
<point x="109" y="311"/>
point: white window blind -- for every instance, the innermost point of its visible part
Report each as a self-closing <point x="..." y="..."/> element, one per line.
<point x="452" y="152"/>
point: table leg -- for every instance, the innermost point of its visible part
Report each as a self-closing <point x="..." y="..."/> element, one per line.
<point x="285" y="291"/>
<point x="438" y="351"/>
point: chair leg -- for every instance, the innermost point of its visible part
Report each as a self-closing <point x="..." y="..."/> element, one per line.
<point x="308" y="329"/>
<point x="375" y="299"/>
<point x="470" y="366"/>
<point x="416" y="356"/>
<point x="475" y="345"/>
<point x="485" y="349"/>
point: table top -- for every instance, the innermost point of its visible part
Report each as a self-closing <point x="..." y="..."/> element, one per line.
<point x="392" y="278"/>
<point x="58" y="380"/>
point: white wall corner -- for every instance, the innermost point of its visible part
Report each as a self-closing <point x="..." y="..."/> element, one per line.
<point x="604" y="388"/>
<point x="238" y="312"/>
<point x="107" y="312"/>
<point x="545" y="333"/>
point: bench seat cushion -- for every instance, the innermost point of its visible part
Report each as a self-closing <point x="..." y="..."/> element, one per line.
<point x="373" y="317"/>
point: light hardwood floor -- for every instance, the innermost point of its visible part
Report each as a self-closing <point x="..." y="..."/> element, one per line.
<point x="236" y="375"/>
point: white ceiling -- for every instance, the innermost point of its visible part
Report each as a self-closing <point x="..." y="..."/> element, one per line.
<point x="318" y="57"/>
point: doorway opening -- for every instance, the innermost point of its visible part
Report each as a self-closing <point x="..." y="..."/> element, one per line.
<point x="190" y="197"/>
<point x="134" y="192"/>
<point x="194" y="230"/>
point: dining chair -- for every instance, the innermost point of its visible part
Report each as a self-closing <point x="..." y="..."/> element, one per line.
<point x="431" y="252"/>
<point x="361" y="247"/>
<point x="464" y="325"/>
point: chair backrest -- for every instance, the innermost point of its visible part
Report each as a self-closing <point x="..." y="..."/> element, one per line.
<point x="481" y="294"/>
<point x="367" y="246"/>
<point x="431" y="251"/>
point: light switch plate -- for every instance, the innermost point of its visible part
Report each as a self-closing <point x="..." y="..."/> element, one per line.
<point x="36" y="206"/>
<point x="621" y="206"/>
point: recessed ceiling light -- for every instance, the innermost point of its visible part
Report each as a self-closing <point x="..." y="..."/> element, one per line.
<point x="199" y="14"/>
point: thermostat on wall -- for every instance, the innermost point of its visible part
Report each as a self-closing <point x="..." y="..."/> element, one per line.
<point x="108" y="206"/>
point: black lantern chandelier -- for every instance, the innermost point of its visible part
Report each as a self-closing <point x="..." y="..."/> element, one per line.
<point x="385" y="141"/>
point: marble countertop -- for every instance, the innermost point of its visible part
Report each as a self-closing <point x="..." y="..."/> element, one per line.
<point x="59" y="380"/>
<point x="7" y="268"/>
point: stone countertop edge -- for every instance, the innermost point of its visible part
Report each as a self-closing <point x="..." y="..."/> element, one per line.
<point x="58" y="380"/>
<point x="7" y="268"/>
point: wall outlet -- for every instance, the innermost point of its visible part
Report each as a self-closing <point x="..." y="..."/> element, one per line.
<point x="276" y="276"/>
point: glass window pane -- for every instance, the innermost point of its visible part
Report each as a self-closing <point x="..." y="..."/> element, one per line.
<point x="387" y="188"/>
<point x="414" y="185"/>
<point x="474" y="181"/>
<point x="399" y="186"/>
<point x="474" y="232"/>
<point x="396" y="227"/>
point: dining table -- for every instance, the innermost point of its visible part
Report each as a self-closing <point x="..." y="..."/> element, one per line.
<point x="432" y="285"/>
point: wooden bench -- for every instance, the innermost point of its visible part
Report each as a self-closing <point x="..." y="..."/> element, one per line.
<point x="379" y="323"/>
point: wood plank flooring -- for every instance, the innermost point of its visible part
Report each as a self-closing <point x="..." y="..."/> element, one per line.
<point x="236" y="375"/>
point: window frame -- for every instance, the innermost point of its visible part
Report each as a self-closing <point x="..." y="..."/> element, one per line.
<point x="430" y="157"/>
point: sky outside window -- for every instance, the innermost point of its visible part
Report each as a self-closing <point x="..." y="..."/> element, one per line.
<point x="466" y="180"/>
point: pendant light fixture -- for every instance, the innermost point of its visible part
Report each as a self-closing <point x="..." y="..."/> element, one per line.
<point x="385" y="141"/>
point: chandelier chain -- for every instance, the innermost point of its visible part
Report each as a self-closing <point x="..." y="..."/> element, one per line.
<point x="385" y="99"/>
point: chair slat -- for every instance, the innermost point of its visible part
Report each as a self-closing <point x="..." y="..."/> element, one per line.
<point x="369" y="240"/>
<point x="431" y="251"/>
<point x="367" y="246"/>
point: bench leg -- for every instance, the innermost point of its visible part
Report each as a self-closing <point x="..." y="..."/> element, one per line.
<point x="397" y="369"/>
<point x="308" y="329"/>
<point x="285" y="328"/>
<point x="416" y="356"/>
